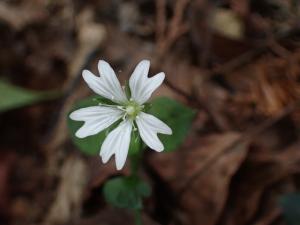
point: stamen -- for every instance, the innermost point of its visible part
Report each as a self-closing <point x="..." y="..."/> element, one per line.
<point x="121" y="108"/>
<point x="134" y="127"/>
<point x="113" y="106"/>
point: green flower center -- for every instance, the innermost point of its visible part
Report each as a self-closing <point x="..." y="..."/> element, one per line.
<point x="132" y="109"/>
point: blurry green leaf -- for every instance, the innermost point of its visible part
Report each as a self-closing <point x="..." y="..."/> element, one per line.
<point x="126" y="192"/>
<point x="290" y="204"/>
<point x="176" y="116"/>
<point x="12" y="97"/>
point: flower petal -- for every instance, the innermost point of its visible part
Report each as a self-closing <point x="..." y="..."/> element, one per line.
<point x="117" y="142"/>
<point x="107" y="85"/>
<point x="96" y="118"/>
<point x="139" y="77"/>
<point x="149" y="126"/>
<point x="151" y="85"/>
<point x="141" y="85"/>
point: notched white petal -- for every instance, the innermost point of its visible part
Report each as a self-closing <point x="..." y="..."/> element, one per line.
<point x="141" y="85"/>
<point x="139" y="76"/>
<point x="96" y="118"/>
<point x="107" y="85"/>
<point x="92" y="81"/>
<point x="111" y="80"/>
<point x="117" y="142"/>
<point x="151" y="85"/>
<point x="149" y="126"/>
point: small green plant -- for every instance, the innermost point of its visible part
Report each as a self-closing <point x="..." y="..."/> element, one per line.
<point x="121" y="122"/>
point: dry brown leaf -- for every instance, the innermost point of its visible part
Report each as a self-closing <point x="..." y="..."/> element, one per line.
<point x="20" y="16"/>
<point x="100" y="172"/>
<point x="67" y="204"/>
<point x="269" y="83"/>
<point x="257" y="174"/>
<point x="204" y="199"/>
<point x="6" y="161"/>
<point x="114" y="217"/>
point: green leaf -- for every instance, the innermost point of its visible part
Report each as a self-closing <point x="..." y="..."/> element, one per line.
<point x="126" y="192"/>
<point x="290" y="205"/>
<point x="12" y="97"/>
<point x="175" y="115"/>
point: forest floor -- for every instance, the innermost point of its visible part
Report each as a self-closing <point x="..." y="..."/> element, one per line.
<point x="235" y="62"/>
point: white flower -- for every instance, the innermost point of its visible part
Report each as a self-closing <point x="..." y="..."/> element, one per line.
<point x="98" y="118"/>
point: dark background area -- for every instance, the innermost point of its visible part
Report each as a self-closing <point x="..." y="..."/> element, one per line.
<point x="236" y="62"/>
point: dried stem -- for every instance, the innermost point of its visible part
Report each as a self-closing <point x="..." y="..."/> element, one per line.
<point x="167" y="35"/>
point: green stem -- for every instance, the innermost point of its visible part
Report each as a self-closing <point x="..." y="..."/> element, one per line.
<point x="135" y="161"/>
<point x="138" y="217"/>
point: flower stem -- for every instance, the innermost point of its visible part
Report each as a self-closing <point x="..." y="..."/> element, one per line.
<point x="135" y="161"/>
<point x="135" y="164"/>
<point x="138" y="217"/>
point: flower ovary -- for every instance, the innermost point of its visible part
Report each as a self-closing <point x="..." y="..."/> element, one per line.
<point x="133" y="109"/>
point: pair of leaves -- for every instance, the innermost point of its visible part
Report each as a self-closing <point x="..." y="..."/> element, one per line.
<point x="173" y="113"/>
<point x="126" y="192"/>
<point x="290" y="205"/>
<point x="12" y="97"/>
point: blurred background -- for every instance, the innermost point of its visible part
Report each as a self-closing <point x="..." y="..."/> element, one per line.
<point x="236" y="62"/>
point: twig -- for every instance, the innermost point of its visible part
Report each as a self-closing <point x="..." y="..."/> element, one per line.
<point x="200" y="105"/>
<point x="161" y="22"/>
<point x="251" y="54"/>
<point x="176" y="26"/>
<point x="178" y="90"/>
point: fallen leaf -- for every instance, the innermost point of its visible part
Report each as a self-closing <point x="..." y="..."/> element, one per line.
<point x="67" y="203"/>
<point x="210" y="166"/>
<point x="258" y="173"/>
<point x="114" y="217"/>
<point x="6" y="162"/>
